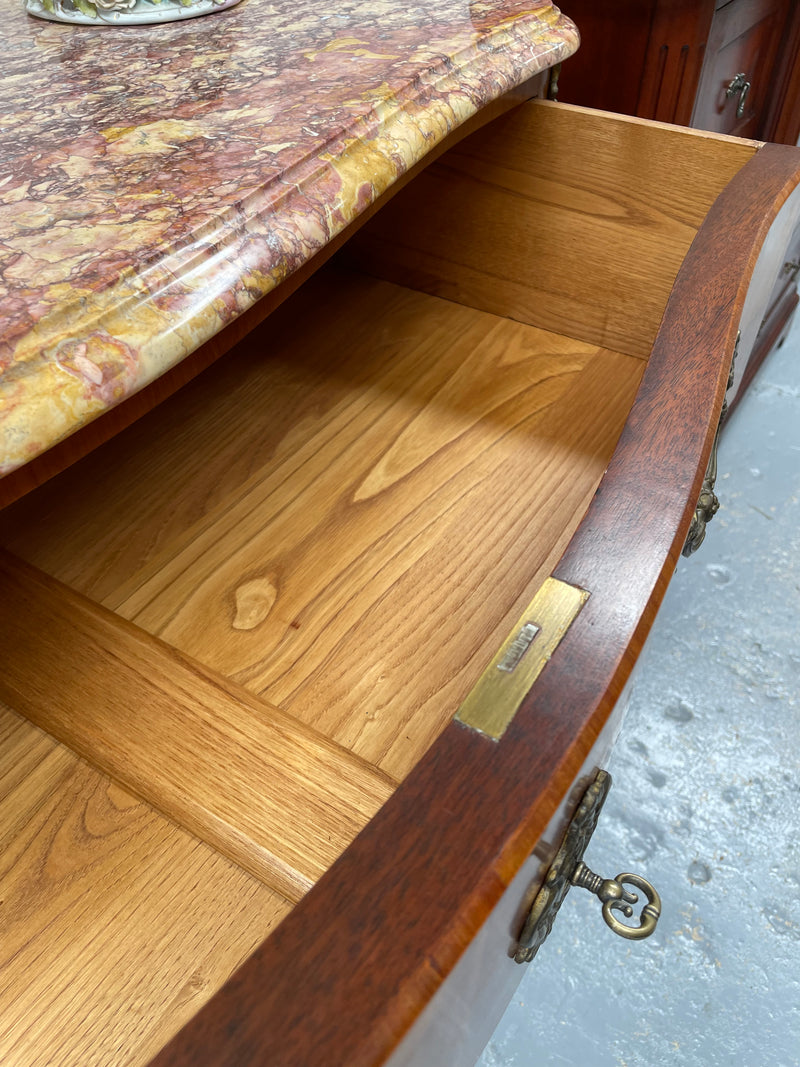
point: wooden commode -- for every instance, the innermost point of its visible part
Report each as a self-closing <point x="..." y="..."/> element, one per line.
<point x="311" y="652"/>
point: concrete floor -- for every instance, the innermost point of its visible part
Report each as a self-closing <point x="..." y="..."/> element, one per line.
<point x="705" y="802"/>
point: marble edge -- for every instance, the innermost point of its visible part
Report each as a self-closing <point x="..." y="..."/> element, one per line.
<point x="240" y="269"/>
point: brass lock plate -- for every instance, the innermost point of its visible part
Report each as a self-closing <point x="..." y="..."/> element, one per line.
<point x="493" y="702"/>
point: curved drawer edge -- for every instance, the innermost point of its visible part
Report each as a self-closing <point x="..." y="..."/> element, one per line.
<point x="346" y="974"/>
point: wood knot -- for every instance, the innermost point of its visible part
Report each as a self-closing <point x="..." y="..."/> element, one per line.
<point x="254" y="600"/>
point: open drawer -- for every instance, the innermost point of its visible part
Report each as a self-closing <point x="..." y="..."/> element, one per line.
<point x="235" y="637"/>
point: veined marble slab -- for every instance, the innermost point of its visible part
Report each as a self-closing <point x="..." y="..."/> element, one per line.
<point x="156" y="181"/>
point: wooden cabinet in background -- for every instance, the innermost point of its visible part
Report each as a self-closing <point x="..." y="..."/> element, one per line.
<point x="675" y="60"/>
<point x="739" y="68"/>
<point x="728" y="66"/>
<point x="637" y="57"/>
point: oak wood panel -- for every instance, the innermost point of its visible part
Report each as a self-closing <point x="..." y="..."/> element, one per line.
<point x="423" y="468"/>
<point x="619" y="200"/>
<point x="454" y="833"/>
<point x="115" y="926"/>
<point x="271" y="795"/>
<point x="399" y="532"/>
<point x="646" y="58"/>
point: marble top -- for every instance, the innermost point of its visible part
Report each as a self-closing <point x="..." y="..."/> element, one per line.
<point x="156" y="181"/>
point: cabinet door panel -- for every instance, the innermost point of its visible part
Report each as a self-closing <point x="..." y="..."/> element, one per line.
<point x="674" y="60"/>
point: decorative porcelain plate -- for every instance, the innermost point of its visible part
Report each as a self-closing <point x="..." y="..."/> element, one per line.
<point x="123" y="12"/>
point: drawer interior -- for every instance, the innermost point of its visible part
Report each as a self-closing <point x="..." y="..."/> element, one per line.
<point x="320" y="542"/>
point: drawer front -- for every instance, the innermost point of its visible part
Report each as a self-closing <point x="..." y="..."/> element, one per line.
<point x="459" y="1020"/>
<point x="739" y="67"/>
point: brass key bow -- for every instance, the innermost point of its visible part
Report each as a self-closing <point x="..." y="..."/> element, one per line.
<point x="616" y="897"/>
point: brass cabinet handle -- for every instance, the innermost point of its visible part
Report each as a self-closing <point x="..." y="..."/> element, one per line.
<point x="568" y="869"/>
<point x="708" y="501"/>
<point x="742" y="86"/>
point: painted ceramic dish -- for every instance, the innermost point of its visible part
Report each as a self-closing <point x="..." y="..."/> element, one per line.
<point x="123" y="12"/>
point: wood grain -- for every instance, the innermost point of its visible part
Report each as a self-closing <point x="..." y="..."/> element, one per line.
<point x="268" y="793"/>
<point x="451" y="838"/>
<point x="411" y="486"/>
<point x="115" y="926"/>
<point x="345" y="976"/>
<point x="571" y="220"/>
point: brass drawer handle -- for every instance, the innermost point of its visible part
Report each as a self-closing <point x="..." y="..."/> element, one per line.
<point x="708" y="502"/>
<point x="568" y="869"/>
<point x="742" y="86"/>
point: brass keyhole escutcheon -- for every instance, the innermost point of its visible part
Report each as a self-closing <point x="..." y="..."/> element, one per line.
<point x="568" y="869"/>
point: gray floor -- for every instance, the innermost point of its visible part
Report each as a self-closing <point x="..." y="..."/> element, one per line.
<point x="706" y="799"/>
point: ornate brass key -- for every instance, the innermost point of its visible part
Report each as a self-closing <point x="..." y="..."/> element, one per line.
<point x="568" y="869"/>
